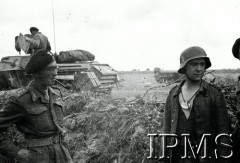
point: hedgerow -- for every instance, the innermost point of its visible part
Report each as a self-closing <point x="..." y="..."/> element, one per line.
<point x="108" y="130"/>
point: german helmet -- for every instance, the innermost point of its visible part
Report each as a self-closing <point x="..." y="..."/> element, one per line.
<point x="192" y="53"/>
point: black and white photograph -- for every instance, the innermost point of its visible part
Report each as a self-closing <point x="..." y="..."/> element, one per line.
<point x="120" y="81"/>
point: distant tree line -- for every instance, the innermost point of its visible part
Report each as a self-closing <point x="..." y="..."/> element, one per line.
<point x="226" y="70"/>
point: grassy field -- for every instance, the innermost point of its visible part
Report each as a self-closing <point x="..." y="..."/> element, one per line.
<point x="134" y="84"/>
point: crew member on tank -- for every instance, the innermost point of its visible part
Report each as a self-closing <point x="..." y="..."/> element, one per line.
<point x="38" y="42"/>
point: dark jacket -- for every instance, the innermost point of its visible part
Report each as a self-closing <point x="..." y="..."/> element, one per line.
<point x="236" y="131"/>
<point x="38" y="119"/>
<point x="210" y="114"/>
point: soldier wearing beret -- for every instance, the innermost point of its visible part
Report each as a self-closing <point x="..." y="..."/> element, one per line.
<point x="36" y="110"/>
<point x="39" y="41"/>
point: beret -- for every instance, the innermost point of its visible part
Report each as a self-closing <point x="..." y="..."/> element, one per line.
<point x="34" y="28"/>
<point x="39" y="61"/>
<point x="235" y="48"/>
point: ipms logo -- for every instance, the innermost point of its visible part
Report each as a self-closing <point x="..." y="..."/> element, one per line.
<point x="196" y="150"/>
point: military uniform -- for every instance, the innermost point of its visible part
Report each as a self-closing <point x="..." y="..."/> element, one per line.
<point x="39" y="42"/>
<point x="39" y="117"/>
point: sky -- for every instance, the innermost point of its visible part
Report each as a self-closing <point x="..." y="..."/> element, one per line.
<point x="128" y="34"/>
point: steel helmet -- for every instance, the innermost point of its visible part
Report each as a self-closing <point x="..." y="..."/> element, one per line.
<point x="192" y="53"/>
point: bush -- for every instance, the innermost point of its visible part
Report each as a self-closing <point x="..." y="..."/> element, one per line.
<point x="109" y="130"/>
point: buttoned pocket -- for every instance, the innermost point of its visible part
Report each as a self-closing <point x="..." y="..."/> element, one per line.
<point x="38" y="117"/>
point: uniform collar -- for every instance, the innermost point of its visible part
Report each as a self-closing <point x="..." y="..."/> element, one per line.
<point x="53" y="91"/>
<point x="202" y="90"/>
<point x="37" y="94"/>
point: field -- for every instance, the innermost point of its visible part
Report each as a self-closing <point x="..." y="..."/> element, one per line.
<point x="134" y="84"/>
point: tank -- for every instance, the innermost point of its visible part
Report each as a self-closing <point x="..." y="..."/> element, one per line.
<point x="81" y="75"/>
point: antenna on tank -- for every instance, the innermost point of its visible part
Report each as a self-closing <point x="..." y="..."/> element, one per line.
<point x="54" y="28"/>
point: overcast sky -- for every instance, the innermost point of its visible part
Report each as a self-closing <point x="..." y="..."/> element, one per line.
<point x="128" y="34"/>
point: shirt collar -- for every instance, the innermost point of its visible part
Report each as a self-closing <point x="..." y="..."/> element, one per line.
<point x="53" y="91"/>
<point x="202" y="89"/>
<point x="36" y="94"/>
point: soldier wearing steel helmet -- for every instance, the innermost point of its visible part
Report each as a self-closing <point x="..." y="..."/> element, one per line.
<point x="196" y="107"/>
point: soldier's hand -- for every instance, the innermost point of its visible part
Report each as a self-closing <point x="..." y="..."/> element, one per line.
<point x="23" y="155"/>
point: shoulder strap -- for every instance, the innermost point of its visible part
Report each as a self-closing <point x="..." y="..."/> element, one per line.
<point x="19" y="92"/>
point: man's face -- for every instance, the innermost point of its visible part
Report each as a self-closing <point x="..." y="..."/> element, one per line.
<point x="195" y="69"/>
<point x="33" y="32"/>
<point x="47" y="75"/>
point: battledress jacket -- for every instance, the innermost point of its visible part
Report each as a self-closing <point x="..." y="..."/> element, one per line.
<point x="210" y="115"/>
<point x="40" y="42"/>
<point x="36" y="118"/>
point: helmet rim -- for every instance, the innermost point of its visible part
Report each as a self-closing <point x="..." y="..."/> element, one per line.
<point x="191" y="53"/>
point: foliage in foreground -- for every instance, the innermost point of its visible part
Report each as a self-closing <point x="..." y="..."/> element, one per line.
<point x="107" y="130"/>
<point x="110" y="130"/>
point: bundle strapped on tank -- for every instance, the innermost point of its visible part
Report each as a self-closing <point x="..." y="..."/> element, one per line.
<point x="73" y="56"/>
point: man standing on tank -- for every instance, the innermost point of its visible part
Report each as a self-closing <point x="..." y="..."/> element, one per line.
<point x="38" y="42"/>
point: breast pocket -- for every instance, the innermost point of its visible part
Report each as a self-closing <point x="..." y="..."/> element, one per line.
<point x="38" y="117"/>
<point x="58" y="106"/>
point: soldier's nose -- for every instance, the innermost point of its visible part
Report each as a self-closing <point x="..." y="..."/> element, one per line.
<point x="55" y="72"/>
